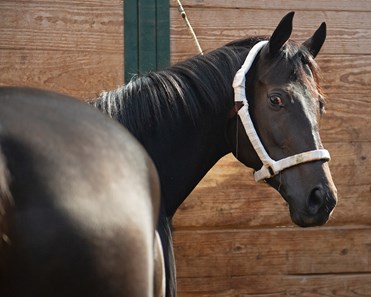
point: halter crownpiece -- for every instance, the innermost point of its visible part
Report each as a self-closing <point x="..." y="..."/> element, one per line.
<point x="270" y="167"/>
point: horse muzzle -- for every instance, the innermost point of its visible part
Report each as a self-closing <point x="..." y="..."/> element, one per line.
<point x="317" y="210"/>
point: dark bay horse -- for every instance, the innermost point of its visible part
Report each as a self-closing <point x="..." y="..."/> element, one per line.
<point x="186" y="117"/>
<point x="79" y="202"/>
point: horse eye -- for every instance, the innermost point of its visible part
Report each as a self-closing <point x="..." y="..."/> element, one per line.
<point x="276" y="101"/>
<point x="321" y="104"/>
<point x="322" y="107"/>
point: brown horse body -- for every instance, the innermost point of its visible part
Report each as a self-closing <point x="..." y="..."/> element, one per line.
<point x="79" y="201"/>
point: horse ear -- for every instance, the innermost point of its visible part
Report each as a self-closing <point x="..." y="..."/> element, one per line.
<point x="281" y="34"/>
<point x="315" y="43"/>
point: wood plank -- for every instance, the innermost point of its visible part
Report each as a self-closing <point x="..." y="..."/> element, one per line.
<point x="217" y="26"/>
<point x="346" y="74"/>
<point x="94" y="26"/>
<point x="350" y="161"/>
<point x="80" y="74"/>
<point x="329" y="285"/>
<point x="323" y="5"/>
<point x="259" y="206"/>
<point x="289" y="251"/>
<point x="346" y="120"/>
<point x="73" y="47"/>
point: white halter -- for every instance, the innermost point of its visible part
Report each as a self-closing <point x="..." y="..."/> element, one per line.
<point x="270" y="167"/>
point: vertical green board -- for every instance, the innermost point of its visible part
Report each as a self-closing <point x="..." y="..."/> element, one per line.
<point x="146" y="36"/>
<point x="131" y="44"/>
<point x="163" y="34"/>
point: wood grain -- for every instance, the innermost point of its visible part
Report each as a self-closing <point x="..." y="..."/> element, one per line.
<point x="319" y="6"/>
<point x="274" y="262"/>
<point x="268" y="285"/>
<point x="348" y="31"/>
<point x="347" y="119"/>
<point x="95" y="26"/>
<point x="346" y="74"/>
<point x="230" y="253"/>
<point x="73" y="47"/>
<point x="79" y="74"/>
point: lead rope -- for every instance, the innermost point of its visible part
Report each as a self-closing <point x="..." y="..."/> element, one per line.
<point x="185" y="18"/>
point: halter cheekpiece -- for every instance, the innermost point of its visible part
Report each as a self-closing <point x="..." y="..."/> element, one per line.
<point x="270" y="167"/>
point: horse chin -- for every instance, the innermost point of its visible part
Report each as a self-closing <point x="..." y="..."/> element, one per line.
<point x="303" y="220"/>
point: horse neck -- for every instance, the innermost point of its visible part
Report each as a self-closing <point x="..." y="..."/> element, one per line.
<point x="187" y="142"/>
<point x="183" y="157"/>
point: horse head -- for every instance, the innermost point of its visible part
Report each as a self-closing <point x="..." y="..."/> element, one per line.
<point x="285" y="104"/>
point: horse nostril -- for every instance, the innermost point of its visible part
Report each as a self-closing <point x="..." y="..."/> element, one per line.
<point x="315" y="201"/>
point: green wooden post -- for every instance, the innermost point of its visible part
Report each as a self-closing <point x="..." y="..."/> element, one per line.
<point x="146" y="36"/>
<point x="130" y="39"/>
<point x="163" y="34"/>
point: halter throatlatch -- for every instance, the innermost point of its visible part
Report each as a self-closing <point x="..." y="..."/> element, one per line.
<point x="270" y="167"/>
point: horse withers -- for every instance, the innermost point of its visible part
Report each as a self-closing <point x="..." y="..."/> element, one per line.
<point x="79" y="202"/>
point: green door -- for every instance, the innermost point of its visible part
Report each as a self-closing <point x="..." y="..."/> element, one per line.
<point x="146" y="36"/>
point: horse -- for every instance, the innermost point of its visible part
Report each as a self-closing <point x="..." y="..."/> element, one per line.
<point x="193" y="113"/>
<point x="79" y="202"/>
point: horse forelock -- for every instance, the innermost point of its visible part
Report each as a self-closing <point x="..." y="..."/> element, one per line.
<point x="312" y="78"/>
<point x="189" y="89"/>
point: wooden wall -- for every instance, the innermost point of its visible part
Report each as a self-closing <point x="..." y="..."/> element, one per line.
<point x="70" y="46"/>
<point x="234" y="237"/>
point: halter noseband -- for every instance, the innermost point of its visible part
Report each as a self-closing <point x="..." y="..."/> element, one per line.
<point x="270" y="167"/>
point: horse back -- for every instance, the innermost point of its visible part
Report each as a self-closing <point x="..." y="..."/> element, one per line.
<point x="79" y="201"/>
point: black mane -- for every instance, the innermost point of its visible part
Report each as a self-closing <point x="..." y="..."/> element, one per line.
<point x="187" y="88"/>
